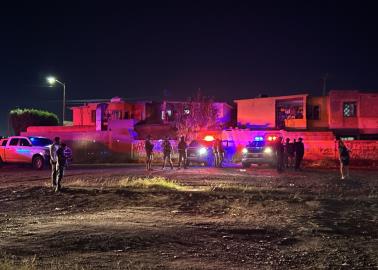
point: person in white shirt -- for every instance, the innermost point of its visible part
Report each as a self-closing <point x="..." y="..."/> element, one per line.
<point x="53" y="161"/>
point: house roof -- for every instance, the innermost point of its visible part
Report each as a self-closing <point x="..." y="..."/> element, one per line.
<point x="276" y="97"/>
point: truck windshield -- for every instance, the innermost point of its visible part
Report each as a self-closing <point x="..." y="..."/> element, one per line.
<point x="40" y="141"/>
<point x="256" y="144"/>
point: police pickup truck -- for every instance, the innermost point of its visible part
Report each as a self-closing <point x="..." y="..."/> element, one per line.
<point x="28" y="150"/>
<point x="259" y="151"/>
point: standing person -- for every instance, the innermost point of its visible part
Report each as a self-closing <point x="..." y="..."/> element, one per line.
<point x="344" y="158"/>
<point x="167" y="152"/>
<point x="291" y="153"/>
<point x="279" y="149"/>
<point x="53" y="161"/>
<point x="61" y="165"/>
<point x="182" y="146"/>
<point x="299" y="153"/>
<point x="294" y="149"/>
<point x="220" y="150"/>
<point x="286" y="152"/>
<point x="216" y="153"/>
<point x="149" y="147"/>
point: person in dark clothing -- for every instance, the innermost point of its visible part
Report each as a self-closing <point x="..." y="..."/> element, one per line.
<point x="279" y="149"/>
<point x="182" y="146"/>
<point x="344" y="158"/>
<point x="286" y="153"/>
<point x="167" y="152"/>
<point x="215" y="152"/>
<point x="291" y="154"/>
<point x="299" y="153"/>
<point x="220" y="152"/>
<point x="61" y="165"/>
<point x="53" y="161"/>
<point x="148" y="146"/>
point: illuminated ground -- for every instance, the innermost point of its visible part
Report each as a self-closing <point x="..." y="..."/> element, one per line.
<point x="217" y="219"/>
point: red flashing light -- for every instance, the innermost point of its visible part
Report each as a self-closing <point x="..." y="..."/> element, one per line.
<point x="272" y="138"/>
<point x="209" y="138"/>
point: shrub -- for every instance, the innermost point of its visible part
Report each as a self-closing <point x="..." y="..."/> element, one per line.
<point x="21" y="119"/>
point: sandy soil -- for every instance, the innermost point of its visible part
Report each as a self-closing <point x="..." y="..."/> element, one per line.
<point x="222" y="219"/>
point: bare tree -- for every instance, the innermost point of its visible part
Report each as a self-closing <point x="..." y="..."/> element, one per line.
<point x="195" y="115"/>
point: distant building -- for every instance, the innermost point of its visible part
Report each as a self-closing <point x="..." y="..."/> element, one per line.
<point x="116" y="109"/>
<point x="353" y="113"/>
<point x="272" y="112"/>
<point x="346" y="113"/>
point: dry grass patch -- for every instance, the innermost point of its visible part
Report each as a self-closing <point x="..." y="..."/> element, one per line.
<point x="7" y="263"/>
<point x="148" y="183"/>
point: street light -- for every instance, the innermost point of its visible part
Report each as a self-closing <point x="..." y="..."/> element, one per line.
<point x="52" y="81"/>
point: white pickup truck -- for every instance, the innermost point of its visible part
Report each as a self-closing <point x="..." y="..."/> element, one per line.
<point x="29" y="150"/>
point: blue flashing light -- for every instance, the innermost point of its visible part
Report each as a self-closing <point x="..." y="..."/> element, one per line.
<point x="259" y="138"/>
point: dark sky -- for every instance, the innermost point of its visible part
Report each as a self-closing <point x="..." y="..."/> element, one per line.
<point x="232" y="51"/>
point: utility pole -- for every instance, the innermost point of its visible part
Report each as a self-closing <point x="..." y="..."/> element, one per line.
<point x="325" y="84"/>
<point x="8" y="131"/>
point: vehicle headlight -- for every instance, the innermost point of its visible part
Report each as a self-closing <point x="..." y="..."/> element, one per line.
<point x="268" y="150"/>
<point x="245" y="151"/>
<point x="202" y="151"/>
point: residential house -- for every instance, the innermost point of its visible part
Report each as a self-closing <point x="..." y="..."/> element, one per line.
<point x="345" y="112"/>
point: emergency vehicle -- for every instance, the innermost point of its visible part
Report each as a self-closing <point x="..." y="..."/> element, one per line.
<point x="259" y="151"/>
<point x="201" y="152"/>
<point x="31" y="150"/>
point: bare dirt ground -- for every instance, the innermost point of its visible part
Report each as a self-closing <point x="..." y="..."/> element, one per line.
<point x="217" y="219"/>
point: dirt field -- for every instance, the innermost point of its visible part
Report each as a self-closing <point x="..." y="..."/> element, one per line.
<point x="119" y="217"/>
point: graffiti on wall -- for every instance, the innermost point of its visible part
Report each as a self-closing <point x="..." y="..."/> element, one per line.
<point x="139" y="153"/>
<point x="363" y="150"/>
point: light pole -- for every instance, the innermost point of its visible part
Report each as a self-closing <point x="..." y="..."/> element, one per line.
<point x="52" y="81"/>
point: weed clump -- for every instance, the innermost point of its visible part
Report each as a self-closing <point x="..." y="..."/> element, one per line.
<point x="150" y="183"/>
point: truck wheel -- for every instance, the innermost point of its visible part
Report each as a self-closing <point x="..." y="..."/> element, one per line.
<point x="38" y="162"/>
<point x="1" y="162"/>
<point x="246" y="165"/>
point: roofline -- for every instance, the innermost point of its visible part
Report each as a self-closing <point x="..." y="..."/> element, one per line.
<point x="275" y="97"/>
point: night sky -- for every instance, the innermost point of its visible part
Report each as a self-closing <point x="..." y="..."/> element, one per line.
<point x="233" y="51"/>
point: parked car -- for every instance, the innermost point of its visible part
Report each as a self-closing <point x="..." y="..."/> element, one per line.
<point x="28" y="150"/>
<point x="200" y="152"/>
<point x="259" y="151"/>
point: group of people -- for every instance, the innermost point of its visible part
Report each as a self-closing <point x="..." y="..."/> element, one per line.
<point x="182" y="147"/>
<point x="290" y="154"/>
<point x="58" y="161"/>
<point x="167" y="152"/>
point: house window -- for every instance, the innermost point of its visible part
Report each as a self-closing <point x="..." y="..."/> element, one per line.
<point x="350" y="109"/>
<point x="93" y="116"/>
<point x="167" y="115"/>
